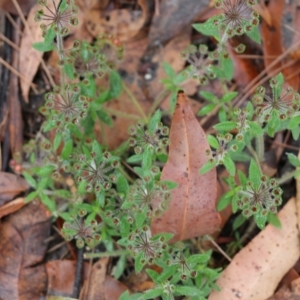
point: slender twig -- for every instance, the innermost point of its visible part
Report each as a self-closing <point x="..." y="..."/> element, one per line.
<point x="218" y="247"/>
<point x="78" y="273"/>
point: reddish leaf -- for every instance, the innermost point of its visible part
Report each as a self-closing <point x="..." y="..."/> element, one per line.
<point x="22" y="276"/>
<point x="192" y="209"/>
<point x="10" y="186"/>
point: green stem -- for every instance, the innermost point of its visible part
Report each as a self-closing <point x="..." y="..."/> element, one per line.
<point x="60" y="50"/>
<point x="255" y="156"/>
<point x="121" y="114"/>
<point x="135" y="102"/>
<point x="286" y="177"/>
<point x="157" y="101"/>
<point x="106" y="254"/>
<point x="260" y="147"/>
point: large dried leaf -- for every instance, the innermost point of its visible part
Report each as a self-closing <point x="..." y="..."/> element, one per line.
<point x="22" y="276"/>
<point x="291" y="292"/>
<point x="192" y="210"/>
<point x="10" y="186"/>
<point x="256" y="270"/>
<point x="101" y="286"/>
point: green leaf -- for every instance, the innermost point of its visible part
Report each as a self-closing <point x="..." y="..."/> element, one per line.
<point x="57" y="140"/>
<point x="274" y="220"/>
<point x="224" y="202"/>
<point x="254" y="34"/>
<point x="119" y="267"/>
<point x="295" y="121"/>
<point x="153" y="293"/>
<point x="127" y="296"/>
<point x="293" y="159"/>
<point x="213" y="142"/>
<point x="31" y="196"/>
<point x="136" y="158"/>
<point x="154" y="121"/>
<point x="179" y="78"/>
<point x="227" y="68"/>
<point x="225" y="126"/>
<point x="229" y="96"/>
<point x="296" y="132"/>
<point x="138" y="265"/>
<point x="188" y="291"/>
<point x="208" y="96"/>
<point x="105" y="118"/>
<point x="242" y="178"/>
<point x="173" y="99"/>
<point x="50" y="204"/>
<point x="31" y="181"/>
<point x="254" y="174"/>
<point x="68" y="69"/>
<point x="45" y="170"/>
<point x="206" y="109"/>
<point x="199" y="258"/>
<point x="67" y="149"/>
<point x="255" y="128"/>
<point x="170" y="184"/>
<point x="122" y="184"/>
<point x="43" y="47"/>
<point x="229" y="165"/>
<point x="206" y="167"/>
<point x="238" y="222"/>
<point x="208" y="28"/>
<point x="168" y="69"/>
<point x="260" y="220"/>
<point x="147" y="158"/>
<point x="115" y="85"/>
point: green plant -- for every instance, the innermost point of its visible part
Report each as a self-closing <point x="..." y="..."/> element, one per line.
<point x="110" y="204"/>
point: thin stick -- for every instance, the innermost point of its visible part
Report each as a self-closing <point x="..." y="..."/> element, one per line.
<point x="9" y="42"/>
<point x="14" y="71"/>
<point x="218" y="247"/>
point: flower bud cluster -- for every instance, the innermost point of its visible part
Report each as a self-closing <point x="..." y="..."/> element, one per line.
<point x="65" y="105"/>
<point x="97" y="171"/>
<point x="141" y="137"/>
<point x="200" y="63"/>
<point x="238" y="17"/>
<point x="149" y="196"/>
<point x="221" y="150"/>
<point x="57" y="16"/>
<point x="141" y="241"/>
<point x="261" y="200"/>
<point x="281" y="105"/>
<point x="87" y="60"/>
<point x="81" y="230"/>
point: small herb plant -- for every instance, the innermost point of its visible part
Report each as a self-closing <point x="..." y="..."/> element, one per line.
<point x="103" y="202"/>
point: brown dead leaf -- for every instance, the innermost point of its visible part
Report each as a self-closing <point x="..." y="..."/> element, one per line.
<point x="124" y="24"/>
<point x="29" y="57"/>
<point x="22" y="276"/>
<point x="288" y="293"/>
<point x="100" y="286"/>
<point x="9" y="6"/>
<point x="173" y="17"/>
<point x="256" y="270"/>
<point x="192" y="209"/>
<point x="10" y="186"/>
<point x="12" y="207"/>
<point x="61" y="276"/>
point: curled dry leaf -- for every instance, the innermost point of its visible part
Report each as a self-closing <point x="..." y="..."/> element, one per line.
<point x="256" y="270"/>
<point x="10" y="186"/>
<point x="192" y="210"/>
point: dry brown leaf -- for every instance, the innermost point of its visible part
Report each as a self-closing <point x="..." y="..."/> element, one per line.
<point x="288" y="293"/>
<point x="9" y="6"/>
<point x="12" y="207"/>
<point x="61" y="276"/>
<point x="22" y="276"/>
<point x="100" y="286"/>
<point x="29" y="57"/>
<point x="192" y="209"/>
<point x="122" y="23"/>
<point x="10" y="186"/>
<point x="256" y="270"/>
